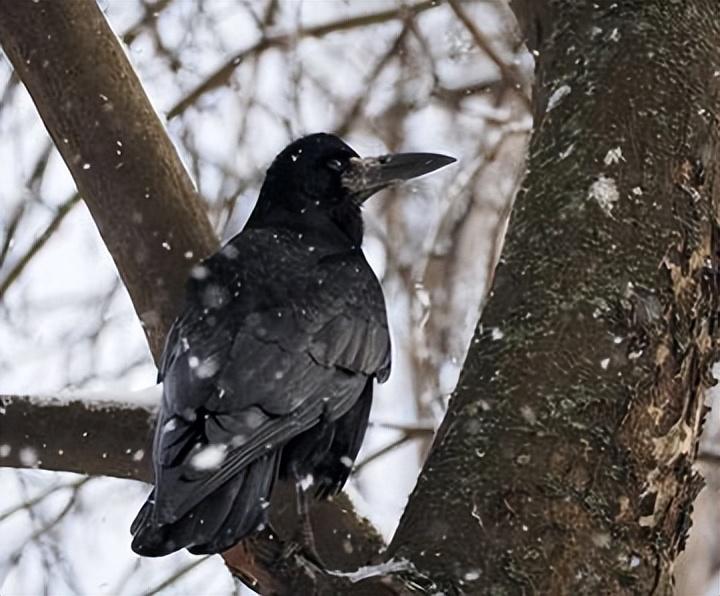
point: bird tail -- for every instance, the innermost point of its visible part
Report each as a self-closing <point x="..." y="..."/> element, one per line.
<point x="221" y="520"/>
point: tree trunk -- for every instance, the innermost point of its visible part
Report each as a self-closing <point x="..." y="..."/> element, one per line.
<point x="564" y="463"/>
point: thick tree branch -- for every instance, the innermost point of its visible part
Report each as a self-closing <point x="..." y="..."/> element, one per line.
<point x="111" y="435"/>
<point x="94" y="436"/>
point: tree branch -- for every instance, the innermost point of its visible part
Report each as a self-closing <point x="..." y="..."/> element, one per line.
<point x="94" y="436"/>
<point x="37" y="245"/>
<point x="509" y="73"/>
<point x="111" y="436"/>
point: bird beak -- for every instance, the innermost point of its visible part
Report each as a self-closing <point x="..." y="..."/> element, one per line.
<point x="366" y="176"/>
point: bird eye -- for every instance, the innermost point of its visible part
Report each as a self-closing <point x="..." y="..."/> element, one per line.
<point x="335" y="164"/>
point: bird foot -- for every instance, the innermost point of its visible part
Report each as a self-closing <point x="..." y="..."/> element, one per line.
<point x="304" y="550"/>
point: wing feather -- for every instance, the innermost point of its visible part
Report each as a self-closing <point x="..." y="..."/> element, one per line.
<point x="261" y="364"/>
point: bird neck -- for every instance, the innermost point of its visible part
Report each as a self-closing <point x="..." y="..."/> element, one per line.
<point x="341" y="226"/>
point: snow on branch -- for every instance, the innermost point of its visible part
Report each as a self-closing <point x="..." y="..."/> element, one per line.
<point x="98" y="434"/>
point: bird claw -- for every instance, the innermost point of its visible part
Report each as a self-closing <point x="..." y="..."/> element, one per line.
<point x="298" y="546"/>
<point x="305" y="556"/>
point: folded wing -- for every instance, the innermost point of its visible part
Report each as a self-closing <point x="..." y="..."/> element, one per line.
<point x="246" y="372"/>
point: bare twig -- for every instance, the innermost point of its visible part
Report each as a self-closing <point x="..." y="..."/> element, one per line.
<point x="41" y="496"/>
<point x="152" y="12"/>
<point x="39" y="242"/>
<point x="56" y="520"/>
<point x="413" y="430"/>
<point x="708" y="457"/>
<point x="351" y="115"/>
<point x="33" y="184"/>
<point x="10" y="229"/>
<point x="510" y="74"/>
<point x="382" y="451"/>
<point x="176" y="576"/>
<point x="224" y="72"/>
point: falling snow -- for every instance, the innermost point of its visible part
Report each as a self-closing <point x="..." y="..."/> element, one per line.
<point x="207" y="368"/>
<point x="209" y="458"/>
<point x="306" y="482"/>
<point x="170" y="425"/>
<point x="567" y="152"/>
<point x="472" y="575"/>
<point x="28" y="457"/>
<point x="199" y="272"/>
<point x="448" y="376"/>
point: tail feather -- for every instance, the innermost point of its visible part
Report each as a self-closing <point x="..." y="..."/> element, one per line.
<point x="221" y="520"/>
<point x="332" y="471"/>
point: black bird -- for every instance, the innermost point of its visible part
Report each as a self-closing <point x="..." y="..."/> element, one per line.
<point x="269" y="369"/>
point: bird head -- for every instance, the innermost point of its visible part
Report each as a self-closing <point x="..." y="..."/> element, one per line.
<point x="322" y="169"/>
<point x="320" y="174"/>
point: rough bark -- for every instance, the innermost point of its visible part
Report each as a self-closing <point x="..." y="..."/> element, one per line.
<point x="564" y="463"/>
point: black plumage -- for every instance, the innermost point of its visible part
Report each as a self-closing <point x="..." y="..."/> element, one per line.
<point x="269" y="369"/>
